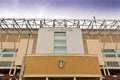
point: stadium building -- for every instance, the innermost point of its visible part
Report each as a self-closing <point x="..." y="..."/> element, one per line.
<point x="59" y="49"/>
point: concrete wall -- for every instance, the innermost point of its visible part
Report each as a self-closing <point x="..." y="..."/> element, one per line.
<point x="75" y="41"/>
<point x="45" y="41"/>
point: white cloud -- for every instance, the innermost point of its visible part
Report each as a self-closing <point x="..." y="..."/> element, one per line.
<point x="47" y="12"/>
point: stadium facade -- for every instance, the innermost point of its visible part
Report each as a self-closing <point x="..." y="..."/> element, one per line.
<point x="59" y="49"/>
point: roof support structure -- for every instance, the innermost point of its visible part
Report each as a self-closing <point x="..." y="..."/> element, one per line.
<point x="31" y="24"/>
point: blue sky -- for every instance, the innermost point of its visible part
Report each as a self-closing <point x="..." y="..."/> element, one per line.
<point x="108" y="9"/>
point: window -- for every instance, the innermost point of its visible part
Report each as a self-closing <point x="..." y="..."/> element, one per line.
<point x="59" y="42"/>
<point x="112" y="64"/>
<point x="108" y="50"/>
<point x="10" y="50"/>
<point x="7" y="55"/>
<point x="6" y="63"/>
<point x="0" y="51"/>
<point x="110" y="55"/>
<point x="118" y="55"/>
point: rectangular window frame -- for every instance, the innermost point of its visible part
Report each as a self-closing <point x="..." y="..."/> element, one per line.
<point x="60" y="42"/>
<point x="112" y="64"/>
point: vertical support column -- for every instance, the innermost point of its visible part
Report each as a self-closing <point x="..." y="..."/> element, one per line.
<point x="6" y="37"/>
<point x="74" y="78"/>
<point x="41" y="24"/>
<point x="108" y="71"/>
<point x="47" y="78"/>
<point x="10" y="71"/>
<point x="65" y="23"/>
<point x="104" y="71"/>
<point x="15" y="70"/>
<point x="78" y="24"/>
<point x="111" y="38"/>
<point x="88" y="36"/>
<point x="99" y="38"/>
<point x="54" y="23"/>
<point x="100" y="78"/>
<point x="18" y="38"/>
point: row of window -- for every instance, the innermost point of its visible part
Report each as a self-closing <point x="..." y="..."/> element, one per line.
<point x="112" y="64"/>
<point x="110" y="51"/>
<point x="59" y="42"/>
<point x="7" y="53"/>
<point x="6" y="63"/>
<point x="9" y="50"/>
<point x="111" y="55"/>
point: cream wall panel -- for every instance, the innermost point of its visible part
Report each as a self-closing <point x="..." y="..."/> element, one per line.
<point x="10" y="45"/>
<point x="108" y="45"/>
<point x="74" y="41"/>
<point x="101" y="59"/>
<point x="22" y="50"/>
<point x="30" y="46"/>
<point x="93" y="46"/>
<point x="45" y="41"/>
<point x="7" y="59"/>
<point x="118" y="46"/>
<point x="112" y="59"/>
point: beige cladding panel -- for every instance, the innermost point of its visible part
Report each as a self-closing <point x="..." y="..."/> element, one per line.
<point x="22" y="50"/>
<point x="30" y="46"/>
<point x="73" y="65"/>
<point x="10" y="45"/>
<point x="74" y="41"/>
<point x="45" y="41"/>
<point x="100" y="59"/>
<point x="108" y="45"/>
<point x="93" y="47"/>
<point x="7" y="59"/>
<point x="118" y="46"/>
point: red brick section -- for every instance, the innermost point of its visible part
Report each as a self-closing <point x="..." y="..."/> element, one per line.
<point x="6" y="76"/>
<point x="112" y="77"/>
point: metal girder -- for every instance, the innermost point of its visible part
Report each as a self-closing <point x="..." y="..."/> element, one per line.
<point x="86" y="24"/>
<point x="26" y="24"/>
<point x="78" y="24"/>
<point x="103" y="24"/>
<point x="3" y="28"/>
<point x="41" y="25"/>
<point x="28" y="29"/>
<point x="15" y="23"/>
<point x="3" y="21"/>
